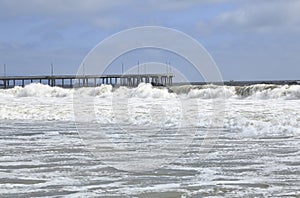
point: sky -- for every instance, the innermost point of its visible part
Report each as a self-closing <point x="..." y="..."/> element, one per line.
<point x="248" y="40"/>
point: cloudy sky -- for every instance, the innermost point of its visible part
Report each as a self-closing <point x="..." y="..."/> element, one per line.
<point x="249" y="40"/>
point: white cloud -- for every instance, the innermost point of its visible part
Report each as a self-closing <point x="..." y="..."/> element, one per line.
<point x="57" y="7"/>
<point x="77" y="7"/>
<point x="106" y="23"/>
<point x="62" y="13"/>
<point x="262" y="17"/>
<point x="104" y="14"/>
<point x="175" y="5"/>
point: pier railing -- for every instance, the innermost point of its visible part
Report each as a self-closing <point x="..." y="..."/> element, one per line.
<point x="70" y="81"/>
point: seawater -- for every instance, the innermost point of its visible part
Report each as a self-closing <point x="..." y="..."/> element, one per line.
<point x="255" y="153"/>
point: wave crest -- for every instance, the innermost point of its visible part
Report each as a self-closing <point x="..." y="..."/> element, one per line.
<point x="258" y="91"/>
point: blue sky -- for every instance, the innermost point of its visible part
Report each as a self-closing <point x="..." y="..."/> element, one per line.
<point x="249" y="40"/>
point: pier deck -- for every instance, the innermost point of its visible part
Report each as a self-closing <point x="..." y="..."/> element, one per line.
<point x="70" y="81"/>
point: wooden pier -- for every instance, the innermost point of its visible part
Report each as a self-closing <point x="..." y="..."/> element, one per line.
<point x="70" y="81"/>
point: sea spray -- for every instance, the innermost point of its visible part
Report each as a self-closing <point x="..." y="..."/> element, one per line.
<point x="258" y="91"/>
<point x="251" y="110"/>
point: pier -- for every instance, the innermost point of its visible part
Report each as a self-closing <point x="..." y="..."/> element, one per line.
<point x="73" y="81"/>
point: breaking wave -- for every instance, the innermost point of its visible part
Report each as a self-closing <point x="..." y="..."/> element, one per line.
<point x="258" y="91"/>
<point x="148" y="106"/>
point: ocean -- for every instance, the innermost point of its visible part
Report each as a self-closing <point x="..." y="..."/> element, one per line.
<point x="184" y="141"/>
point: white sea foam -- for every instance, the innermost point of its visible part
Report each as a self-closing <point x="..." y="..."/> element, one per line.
<point x="260" y="137"/>
<point x="259" y="91"/>
<point x="263" y="91"/>
<point x="247" y="110"/>
<point x="211" y="92"/>
<point x="36" y="90"/>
